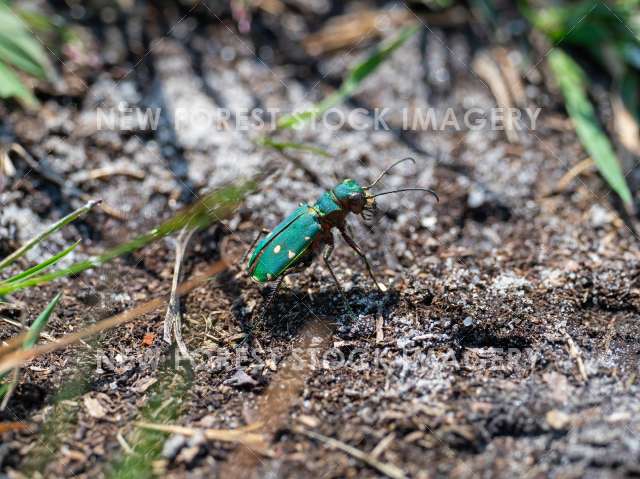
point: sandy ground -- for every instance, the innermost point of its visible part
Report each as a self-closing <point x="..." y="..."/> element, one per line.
<point x="503" y="347"/>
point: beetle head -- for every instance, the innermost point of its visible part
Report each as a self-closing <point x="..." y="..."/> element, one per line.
<point x="352" y="196"/>
<point x="361" y="200"/>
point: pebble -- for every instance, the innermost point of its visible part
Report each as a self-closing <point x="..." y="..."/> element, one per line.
<point x="173" y="445"/>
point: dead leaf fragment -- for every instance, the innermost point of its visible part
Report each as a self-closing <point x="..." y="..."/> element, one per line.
<point x="94" y="407"/>
<point x="73" y="454"/>
<point x="142" y="384"/>
<point x="148" y="339"/>
<point x="12" y="426"/>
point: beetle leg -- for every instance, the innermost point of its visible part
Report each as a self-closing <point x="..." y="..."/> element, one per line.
<point x="270" y="298"/>
<point x="325" y="256"/>
<point x="262" y="232"/>
<point x="359" y="252"/>
<point x="348" y="229"/>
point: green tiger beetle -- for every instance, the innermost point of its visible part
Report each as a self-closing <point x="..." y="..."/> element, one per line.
<point x="308" y="231"/>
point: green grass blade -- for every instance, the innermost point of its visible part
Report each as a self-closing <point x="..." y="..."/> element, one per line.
<point x="33" y="334"/>
<point x="14" y="50"/>
<point x="41" y="321"/>
<point x="584" y="22"/>
<point x="574" y="87"/>
<point x="289" y="145"/>
<point x="351" y="83"/>
<point x="21" y="49"/>
<point x="164" y="404"/>
<point x="11" y="86"/>
<point x="38" y="21"/>
<point x="602" y="30"/>
<point x="42" y="266"/>
<point x="46" y="233"/>
<point x="212" y="207"/>
<point x="10" y="20"/>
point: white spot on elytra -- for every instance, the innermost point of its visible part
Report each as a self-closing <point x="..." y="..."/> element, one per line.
<point x="291" y="254"/>
<point x="276" y="250"/>
<point x="269" y="276"/>
<point x="307" y="238"/>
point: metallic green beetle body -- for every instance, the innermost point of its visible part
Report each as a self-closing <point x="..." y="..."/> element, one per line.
<point x="302" y="234"/>
<point x="298" y="239"/>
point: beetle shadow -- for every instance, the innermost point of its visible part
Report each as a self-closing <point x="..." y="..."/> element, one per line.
<point x="293" y="308"/>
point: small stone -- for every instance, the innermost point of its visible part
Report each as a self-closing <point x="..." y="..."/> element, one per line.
<point x="600" y="216"/>
<point x="559" y="387"/>
<point x="241" y="379"/>
<point x="619" y="417"/>
<point x="309" y="421"/>
<point x="189" y="453"/>
<point x="476" y="197"/>
<point x="271" y="364"/>
<point x="558" y="420"/>
<point x="173" y="445"/>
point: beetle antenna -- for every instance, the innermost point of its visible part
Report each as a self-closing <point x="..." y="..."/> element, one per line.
<point x="387" y="170"/>
<point x="409" y="189"/>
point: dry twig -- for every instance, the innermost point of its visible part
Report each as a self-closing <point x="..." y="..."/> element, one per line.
<point x="19" y="325"/>
<point x="108" y="171"/>
<point x="385" y="468"/>
<point x="124" y="444"/>
<point x="173" y="318"/>
<point x="7" y="169"/>
<point x="353" y="29"/>
<point x="577" y="170"/>
<point x="489" y="71"/>
<point x="576" y="354"/>
<point x="379" y="329"/>
<point x="512" y="76"/>
<point x="383" y="445"/>
<point x="242" y="436"/>
<point x="66" y="187"/>
<point x="357" y="27"/>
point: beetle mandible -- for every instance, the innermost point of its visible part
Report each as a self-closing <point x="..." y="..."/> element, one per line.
<point x="308" y="231"/>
